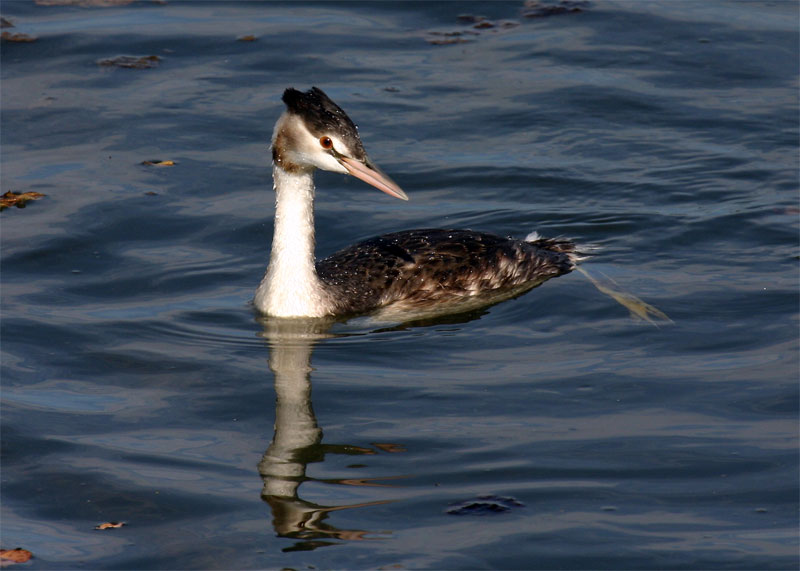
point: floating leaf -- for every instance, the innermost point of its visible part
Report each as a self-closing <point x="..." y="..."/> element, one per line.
<point x="21" y="38"/>
<point x="110" y="525"/>
<point x="18" y="199"/>
<point x="5" y="23"/>
<point x="166" y="163"/>
<point x="131" y="62"/>
<point x="246" y="38"/>
<point x="12" y="556"/>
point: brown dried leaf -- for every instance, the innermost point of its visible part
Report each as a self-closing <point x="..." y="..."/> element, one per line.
<point x="131" y="62"/>
<point x="166" y="163"/>
<point x="110" y="525"/>
<point x="247" y="38"/>
<point x="21" y="38"/>
<point x="11" y="556"/>
<point x="18" y="199"/>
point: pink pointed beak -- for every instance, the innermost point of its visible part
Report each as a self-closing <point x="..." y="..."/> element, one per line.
<point x="371" y="175"/>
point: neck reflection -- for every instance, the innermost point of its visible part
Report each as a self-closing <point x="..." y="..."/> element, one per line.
<point x="297" y="441"/>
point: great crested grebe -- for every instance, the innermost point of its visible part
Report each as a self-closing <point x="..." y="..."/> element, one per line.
<point x="411" y="271"/>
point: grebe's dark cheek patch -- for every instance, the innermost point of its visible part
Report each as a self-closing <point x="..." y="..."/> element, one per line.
<point x="282" y="142"/>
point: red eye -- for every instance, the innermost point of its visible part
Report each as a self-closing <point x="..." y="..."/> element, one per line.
<point x="326" y="142"/>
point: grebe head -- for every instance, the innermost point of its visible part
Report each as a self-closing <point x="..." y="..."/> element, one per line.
<point x="314" y="133"/>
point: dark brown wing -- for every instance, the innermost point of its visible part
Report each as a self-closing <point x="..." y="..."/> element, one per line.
<point x="421" y="267"/>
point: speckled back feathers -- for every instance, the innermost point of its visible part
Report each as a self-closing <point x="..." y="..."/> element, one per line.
<point x="432" y="266"/>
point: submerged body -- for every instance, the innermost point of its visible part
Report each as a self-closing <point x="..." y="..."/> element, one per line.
<point x="415" y="270"/>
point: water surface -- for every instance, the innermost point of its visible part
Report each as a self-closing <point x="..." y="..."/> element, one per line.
<point x="549" y="431"/>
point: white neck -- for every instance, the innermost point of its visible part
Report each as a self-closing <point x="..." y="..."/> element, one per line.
<point x="290" y="287"/>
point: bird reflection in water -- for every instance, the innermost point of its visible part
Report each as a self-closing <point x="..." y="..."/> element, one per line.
<point x="298" y="441"/>
<point x="298" y="438"/>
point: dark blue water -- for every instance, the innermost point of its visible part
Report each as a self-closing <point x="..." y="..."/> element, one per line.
<point x="549" y="431"/>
